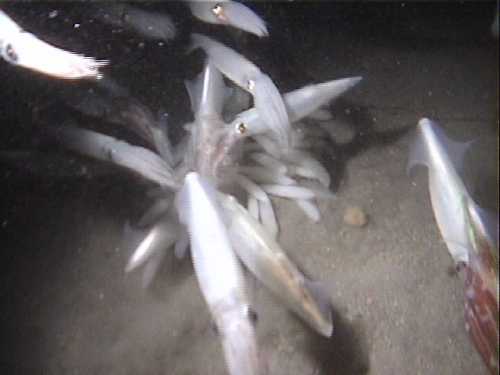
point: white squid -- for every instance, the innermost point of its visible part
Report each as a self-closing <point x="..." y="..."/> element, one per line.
<point x="267" y="99"/>
<point x="262" y="255"/>
<point x="219" y="273"/>
<point x="227" y="12"/>
<point x="471" y="240"/>
<point x="148" y="24"/>
<point x="138" y="159"/>
<point x="21" y="48"/>
<point x="299" y="103"/>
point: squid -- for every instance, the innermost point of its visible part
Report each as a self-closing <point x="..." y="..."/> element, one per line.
<point x="148" y="24"/>
<point x="263" y="256"/>
<point x="267" y="99"/>
<point x="471" y="239"/>
<point x="23" y="49"/>
<point x="162" y="231"/>
<point x="135" y="158"/>
<point x="299" y="103"/>
<point x="227" y="12"/>
<point x="130" y="113"/>
<point x="207" y="94"/>
<point x="158" y="239"/>
<point x="219" y="273"/>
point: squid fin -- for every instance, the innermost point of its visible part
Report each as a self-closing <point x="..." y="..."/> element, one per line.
<point x="242" y="17"/>
<point x="419" y="154"/>
<point x="271" y="108"/>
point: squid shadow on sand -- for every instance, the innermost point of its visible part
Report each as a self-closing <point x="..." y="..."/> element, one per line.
<point x="364" y="135"/>
<point x="345" y="353"/>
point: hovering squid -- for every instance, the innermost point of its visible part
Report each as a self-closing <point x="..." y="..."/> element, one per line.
<point x="159" y="238"/>
<point x="267" y="99"/>
<point x="148" y="24"/>
<point x="219" y="273"/>
<point x="21" y="48"/>
<point x="299" y="103"/>
<point x="135" y="158"/>
<point x="471" y="240"/>
<point x="207" y="93"/>
<point x="269" y="263"/>
<point x="227" y="12"/>
<point x="130" y="113"/>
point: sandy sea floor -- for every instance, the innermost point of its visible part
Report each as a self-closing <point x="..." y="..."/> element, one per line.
<point x="69" y="308"/>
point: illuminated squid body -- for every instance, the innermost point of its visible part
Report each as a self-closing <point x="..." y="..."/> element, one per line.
<point x="471" y="240"/>
<point x="21" y="48"/>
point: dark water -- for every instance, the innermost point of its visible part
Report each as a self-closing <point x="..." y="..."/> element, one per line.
<point x="62" y="215"/>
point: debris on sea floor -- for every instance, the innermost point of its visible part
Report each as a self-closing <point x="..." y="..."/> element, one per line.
<point x="355" y="216"/>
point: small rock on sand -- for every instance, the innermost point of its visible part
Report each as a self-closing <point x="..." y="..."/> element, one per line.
<point x="355" y="217"/>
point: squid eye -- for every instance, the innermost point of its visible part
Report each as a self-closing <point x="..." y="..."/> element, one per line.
<point x="252" y="315"/>
<point x="241" y="127"/>
<point x="10" y="54"/>
<point x="217" y="10"/>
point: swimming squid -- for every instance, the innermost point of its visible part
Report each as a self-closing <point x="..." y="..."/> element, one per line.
<point x="21" y="48"/>
<point x="471" y="239"/>
<point x="219" y="273"/>
<point x="148" y="24"/>
<point x="299" y="104"/>
<point x="267" y="99"/>
<point x="263" y="256"/>
<point x="227" y="12"/>
<point x="104" y="147"/>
